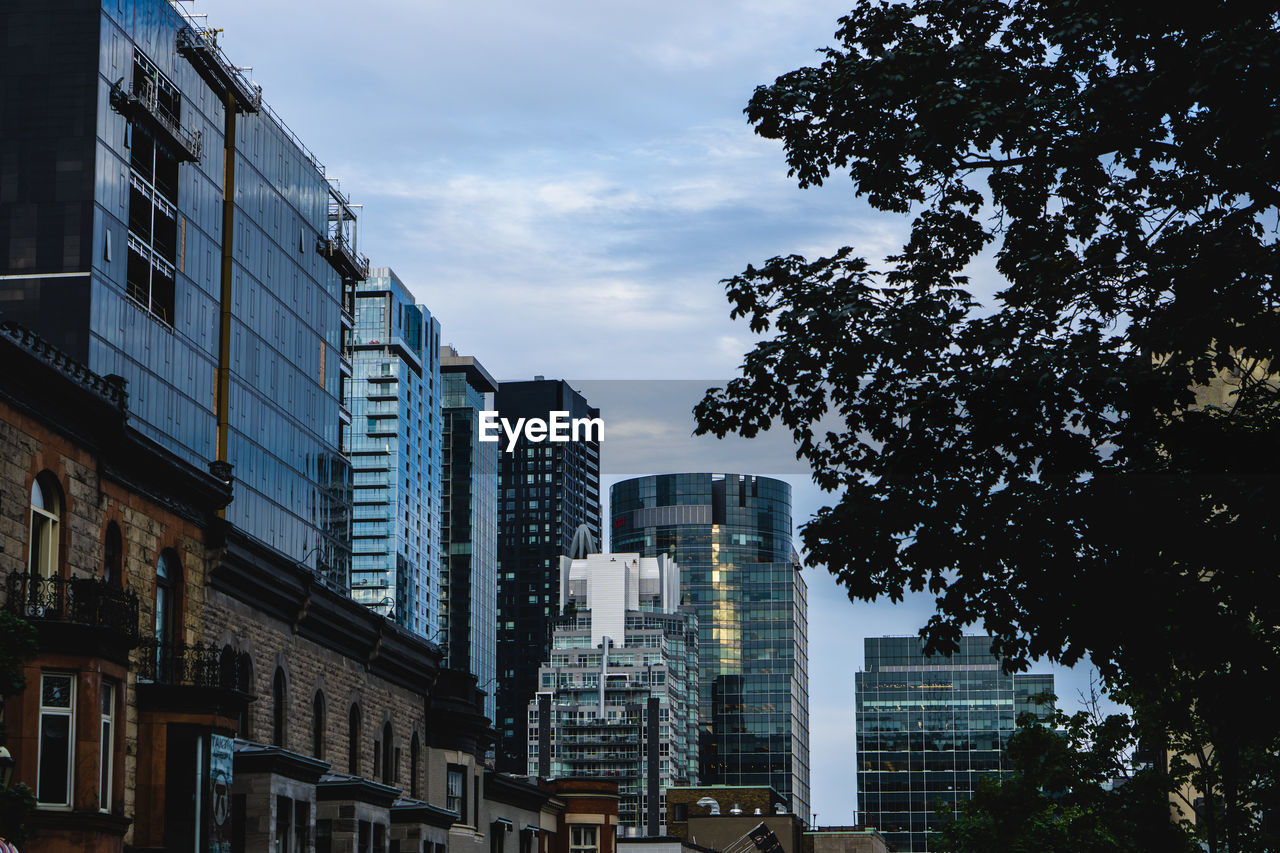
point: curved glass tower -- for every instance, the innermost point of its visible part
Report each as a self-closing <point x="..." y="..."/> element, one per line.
<point x="731" y="534"/>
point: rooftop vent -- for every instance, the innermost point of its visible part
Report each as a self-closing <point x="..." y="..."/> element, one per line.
<point x="711" y="804"/>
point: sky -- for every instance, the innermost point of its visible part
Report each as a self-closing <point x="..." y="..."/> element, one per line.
<point x="564" y="185"/>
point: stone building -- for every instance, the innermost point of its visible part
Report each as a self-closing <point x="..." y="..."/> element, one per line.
<point x="106" y="540"/>
<point x="723" y="816"/>
<point x="194" y="688"/>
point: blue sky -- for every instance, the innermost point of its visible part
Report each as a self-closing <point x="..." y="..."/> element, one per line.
<point x="564" y="185"/>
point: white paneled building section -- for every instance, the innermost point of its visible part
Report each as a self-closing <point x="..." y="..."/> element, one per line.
<point x="618" y="699"/>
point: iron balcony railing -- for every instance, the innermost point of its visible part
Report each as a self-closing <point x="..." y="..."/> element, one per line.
<point x="77" y="600"/>
<point x="195" y="665"/>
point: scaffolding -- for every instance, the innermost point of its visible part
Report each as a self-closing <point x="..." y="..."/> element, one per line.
<point x="199" y="45"/>
<point x="338" y="243"/>
<point x="141" y="104"/>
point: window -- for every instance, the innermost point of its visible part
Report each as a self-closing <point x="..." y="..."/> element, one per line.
<point x="279" y="708"/>
<point x="456" y="791"/>
<point x="388" y="766"/>
<point x="106" y="747"/>
<point x="317" y="726"/>
<point x="498" y="830"/>
<point x="112" y="555"/>
<point x="245" y="663"/>
<point x="293" y="817"/>
<point x="353" y="741"/>
<point x="582" y="839"/>
<point x="413" y="766"/>
<point x="167" y="573"/>
<point x="46" y="512"/>
<point x="57" y="723"/>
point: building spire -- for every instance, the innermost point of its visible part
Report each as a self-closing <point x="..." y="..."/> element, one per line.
<point x="583" y="543"/>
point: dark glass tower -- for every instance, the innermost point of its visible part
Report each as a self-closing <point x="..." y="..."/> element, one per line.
<point x="930" y="727"/>
<point x="160" y="223"/>
<point x="469" y="594"/>
<point x="547" y="491"/>
<point x="731" y="535"/>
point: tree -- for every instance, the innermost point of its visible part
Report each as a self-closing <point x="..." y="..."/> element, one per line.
<point x="1086" y="466"/>
<point x="17" y="645"/>
<point x="1073" y="790"/>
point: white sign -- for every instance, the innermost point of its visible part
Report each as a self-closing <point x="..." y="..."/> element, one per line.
<point x="559" y="428"/>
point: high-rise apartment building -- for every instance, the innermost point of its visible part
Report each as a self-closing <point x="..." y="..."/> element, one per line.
<point x="547" y="490"/>
<point x="469" y="589"/>
<point x="731" y="535"/>
<point x="929" y="728"/>
<point x="161" y="224"/>
<point x="618" y="697"/>
<point x="394" y="444"/>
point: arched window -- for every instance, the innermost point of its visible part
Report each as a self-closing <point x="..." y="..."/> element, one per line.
<point x="413" y="766"/>
<point x="228" y="678"/>
<point x="388" y="765"/>
<point x="113" y="556"/>
<point x="317" y="726"/>
<point x="245" y="674"/>
<point x="46" y="515"/>
<point x="278" y="710"/>
<point x="168" y="577"/>
<point x="353" y="741"/>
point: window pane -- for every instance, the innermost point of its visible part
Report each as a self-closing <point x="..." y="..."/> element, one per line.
<point x="55" y="691"/>
<point x="104" y="778"/>
<point x="55" y="759"/>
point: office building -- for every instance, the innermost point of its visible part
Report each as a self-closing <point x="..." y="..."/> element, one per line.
<point x="547" y="490"/>
<point x="160" y="223"/>
<point x="731" y="535"/>
<point x="618" y="697"/>
<point x="469" y="588"/>
<point x="394" y="445"/>
<point x="929" y="728"/>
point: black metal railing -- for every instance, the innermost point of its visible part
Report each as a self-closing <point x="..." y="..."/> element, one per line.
<point x="196" y="665"/>
<point x="82" y="601"/>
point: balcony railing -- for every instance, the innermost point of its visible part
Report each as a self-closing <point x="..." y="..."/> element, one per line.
<point x="195" y="665"/>
<point x="142" y="103"/>
<point x="81" y="601"/>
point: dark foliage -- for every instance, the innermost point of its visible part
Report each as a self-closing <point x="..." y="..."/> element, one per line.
<point x="1075" y="790"/>
<point x="1085" y="468"/>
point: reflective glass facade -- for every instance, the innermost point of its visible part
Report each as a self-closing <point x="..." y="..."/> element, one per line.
<point x="929" y="728"/>
<point x="731" y="534"/>
<point x="395" y="448"/>
<point x="112" y="245"/>
<point x="546" y="491"/>
<point x="469" y="592"/>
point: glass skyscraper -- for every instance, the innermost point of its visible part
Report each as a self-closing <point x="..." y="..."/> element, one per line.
<point x="731" y="535"/>
<point x="930" y="727"/>
<point x="469" y="592"/>
<point x="547" y="490"/>
<point x="160" y="223"/>
<point x="395" y="448"/>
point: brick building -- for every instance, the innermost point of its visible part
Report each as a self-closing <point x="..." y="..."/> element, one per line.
<point x="90" y="514"/>
<point x="195" y="689"/>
